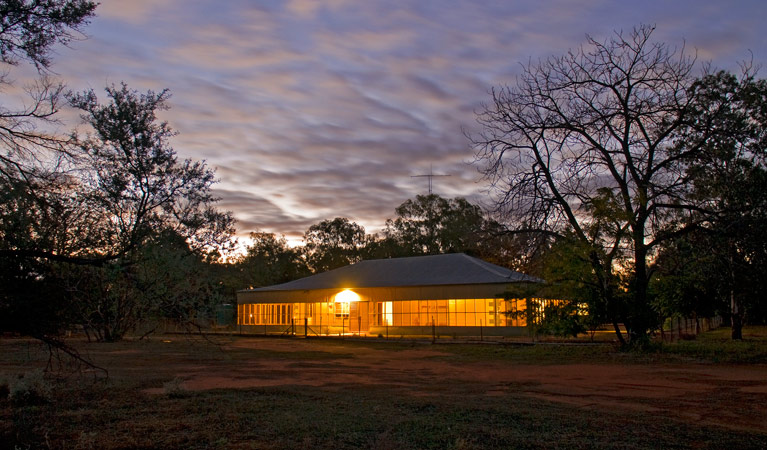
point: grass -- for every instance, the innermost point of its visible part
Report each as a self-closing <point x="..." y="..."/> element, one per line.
<point x="712" y="347"/>
<point x="292" y="417"/>
<point x="716" y="346"/>
<point x="84" y="411"/>
<point x="541" y="354"/>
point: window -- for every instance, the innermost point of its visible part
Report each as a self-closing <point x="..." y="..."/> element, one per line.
<point x="384" y="310"/>
<point x="341" y="309"/>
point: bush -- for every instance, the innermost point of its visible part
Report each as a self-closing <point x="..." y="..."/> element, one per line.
<point x="30" y="388"/>
<point x="174" y="388"/>
<point x="562" y="320"/>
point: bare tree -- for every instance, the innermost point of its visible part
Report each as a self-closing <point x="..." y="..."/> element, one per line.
<point x="586" y="143"/>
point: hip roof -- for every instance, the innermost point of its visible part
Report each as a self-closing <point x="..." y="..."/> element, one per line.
<point x="432" y="270"/>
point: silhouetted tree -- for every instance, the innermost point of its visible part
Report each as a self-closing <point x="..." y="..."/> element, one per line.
<point x="80" y="217"/>
<point x="127" y="187"/>
<point x="430" y="224"/>
<point x="166" y="279"/>
<point x="586" y="143"/>
<point x="28" y="28"/>
<point x="136" y="185"/>
<point x="729" y="179"/>
<point x="33" y="164"/>
<point x="687" y="280"/>
<point x="335" y="243"/>
<point x="270" y="260"/>
<point x="136" y="179"/>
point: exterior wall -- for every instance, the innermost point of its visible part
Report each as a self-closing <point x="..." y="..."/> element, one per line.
<point x="466" y="310"/>
<point x="389" y="332"/>
<point x="447" y="331"/>
<point x="355" y="315"/>
<point x="380" y="294"/>
<point x="408" y="317"/>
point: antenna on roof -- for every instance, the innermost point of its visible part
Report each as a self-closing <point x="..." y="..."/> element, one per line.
<point x="430" y="175"/>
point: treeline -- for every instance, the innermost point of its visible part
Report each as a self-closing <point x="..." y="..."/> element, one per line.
<point x="425" y="225"/>
<point x="691" y="275"/>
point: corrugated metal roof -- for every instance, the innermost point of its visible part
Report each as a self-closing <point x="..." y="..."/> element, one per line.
<point x="433" y="270"/>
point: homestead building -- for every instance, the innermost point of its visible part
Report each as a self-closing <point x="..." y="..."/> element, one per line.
<point x="448" y="294"/>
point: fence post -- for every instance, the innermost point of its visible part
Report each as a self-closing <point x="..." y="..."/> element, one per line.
<point x="306" y="326"/>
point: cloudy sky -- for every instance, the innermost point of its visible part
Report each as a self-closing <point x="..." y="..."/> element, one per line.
<point x="316" y="109"/>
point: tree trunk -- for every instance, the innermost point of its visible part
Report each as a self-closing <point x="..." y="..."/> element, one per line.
<point x="736" y="318"/>
<point x="640" y="311"/>
<point x="736" y="312"/>
<point x="619" y="334"/>
<point x="604" y="275"/>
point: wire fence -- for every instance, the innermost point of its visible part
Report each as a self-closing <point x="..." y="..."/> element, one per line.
<point x="682" y="328"/>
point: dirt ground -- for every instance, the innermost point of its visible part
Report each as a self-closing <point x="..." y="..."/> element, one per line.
<point x="731" y="396"/>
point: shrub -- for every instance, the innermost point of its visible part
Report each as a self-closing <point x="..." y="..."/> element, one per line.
<point x="30" y="388"/>
<point x="562" y="320"/>
<point x="174" y="388"/>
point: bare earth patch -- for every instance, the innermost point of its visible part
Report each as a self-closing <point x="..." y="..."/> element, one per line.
<point x="731" y="396"/>
<point x="182" y="391"/>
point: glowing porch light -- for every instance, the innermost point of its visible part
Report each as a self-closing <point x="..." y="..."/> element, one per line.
<point x="347" y="296"/>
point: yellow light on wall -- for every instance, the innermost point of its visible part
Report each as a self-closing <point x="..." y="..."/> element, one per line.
<point x="387" y="313"/>
<point x="347" y="296"/>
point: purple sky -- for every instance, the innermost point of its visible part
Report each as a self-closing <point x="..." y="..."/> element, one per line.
<point x="317" y="109"/>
